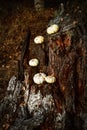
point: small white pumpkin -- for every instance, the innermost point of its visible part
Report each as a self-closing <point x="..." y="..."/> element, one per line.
<point x="34" y="62"/>
<point x="50" y="79"/>
<point x="39" y="40"/>
<point x="39" y="78"/>
<point x="53" y="29"/>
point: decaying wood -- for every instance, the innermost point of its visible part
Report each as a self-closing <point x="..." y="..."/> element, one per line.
<point x="68" y="62"/>
<point x="58" y="106"/>
<point x="24" y="52"/>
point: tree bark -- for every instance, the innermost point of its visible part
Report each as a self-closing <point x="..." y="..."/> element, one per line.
<point x="63" y="104"/>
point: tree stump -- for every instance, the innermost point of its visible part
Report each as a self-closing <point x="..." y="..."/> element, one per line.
<point x="61" y="105"/>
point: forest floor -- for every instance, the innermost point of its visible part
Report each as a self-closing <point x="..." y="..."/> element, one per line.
<point x="14" y="22"/>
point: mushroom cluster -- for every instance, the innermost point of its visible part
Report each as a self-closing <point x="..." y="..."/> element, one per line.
<point x="40" y="78"/>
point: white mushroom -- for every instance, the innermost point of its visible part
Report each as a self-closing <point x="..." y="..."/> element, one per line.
<point x="53" y="29"/>
<point x="34" y="62"/>
<point x="39" y="78"/>
<point x="39" y="40"/>
<point x="50" y="79"/>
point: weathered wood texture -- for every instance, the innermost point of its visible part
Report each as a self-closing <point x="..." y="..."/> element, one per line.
<point x="58" y="106"/>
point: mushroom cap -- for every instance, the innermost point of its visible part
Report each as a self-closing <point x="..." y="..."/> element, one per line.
<point x="53" y="29"/>
<point x="50" y="79"/>
<point x="39" y="78"/>
<point x="39" y="40"/>
<point x="33" y="62"/>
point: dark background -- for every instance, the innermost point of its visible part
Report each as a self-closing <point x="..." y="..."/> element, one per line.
<point x="48" y="3"/>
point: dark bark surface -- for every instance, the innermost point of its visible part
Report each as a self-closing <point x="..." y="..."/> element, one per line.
<point x="58" y="106"/>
